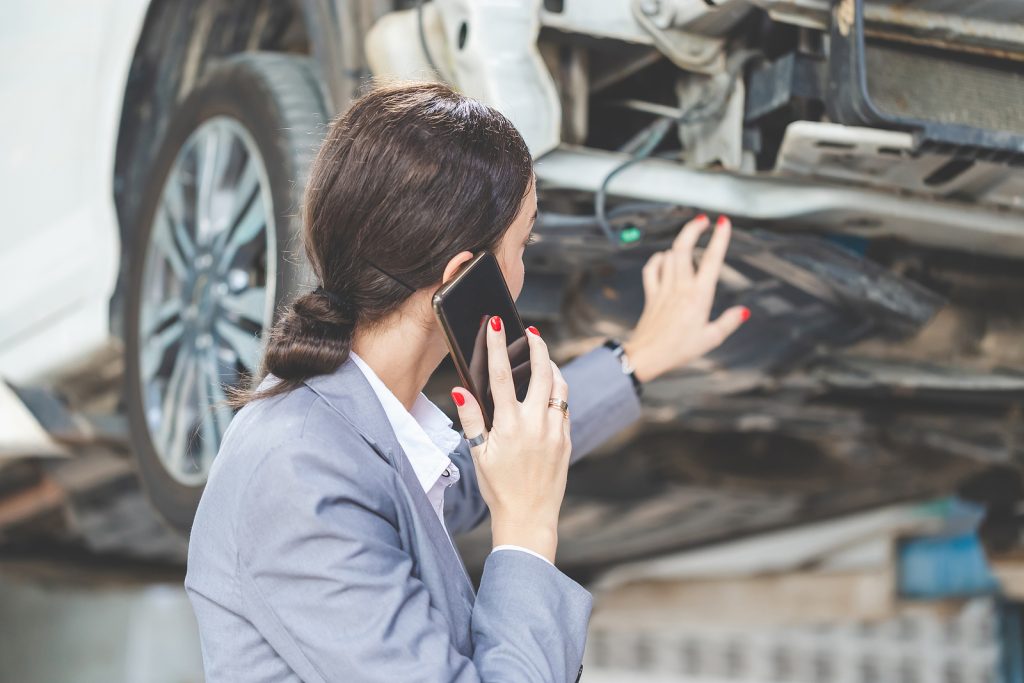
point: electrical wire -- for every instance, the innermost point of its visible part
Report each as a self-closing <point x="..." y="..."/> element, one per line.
<point x="702" y="111"/>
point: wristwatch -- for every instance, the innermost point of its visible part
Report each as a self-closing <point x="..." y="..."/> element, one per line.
<point x="616" y="346"/>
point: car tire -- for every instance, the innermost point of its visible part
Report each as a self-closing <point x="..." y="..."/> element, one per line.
<point x="236" y="152"/>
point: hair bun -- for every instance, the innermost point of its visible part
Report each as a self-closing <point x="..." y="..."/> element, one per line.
<point x="342" y="304"/>
<point x="318" y="309"/>
<point x="312" y="338"/>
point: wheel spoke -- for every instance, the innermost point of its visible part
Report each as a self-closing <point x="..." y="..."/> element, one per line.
<point x="246" y="345"/>
<point x="175" y="395"/>
<point x="217" y="413"/>
<point x="153" y="321"/>
<point x="214" y="151"/>
<point x="182" y="424"/>
<point x="250" y="227"/>
<point x="166" y="248"/>
<point x="249" y="304"/>
<point x="174" y="210"/>
<point x="155" y="348"/>
<point x="246" y="193"/>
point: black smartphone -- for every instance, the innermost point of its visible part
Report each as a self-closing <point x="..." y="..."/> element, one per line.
<point x="463" y="307"/>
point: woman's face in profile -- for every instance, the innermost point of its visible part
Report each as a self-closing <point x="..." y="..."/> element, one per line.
<point x="510" y="252"/>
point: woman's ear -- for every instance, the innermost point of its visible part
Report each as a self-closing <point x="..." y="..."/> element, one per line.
<point x="454" y="264"/>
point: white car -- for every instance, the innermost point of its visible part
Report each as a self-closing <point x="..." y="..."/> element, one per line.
<point x="155" y="155"/>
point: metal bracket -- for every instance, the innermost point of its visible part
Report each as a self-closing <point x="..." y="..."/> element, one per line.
<point x="687" y="50"/>
<point x="849" y="100"/>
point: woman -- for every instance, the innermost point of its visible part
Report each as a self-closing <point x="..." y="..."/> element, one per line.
<point x="320" y="550"/>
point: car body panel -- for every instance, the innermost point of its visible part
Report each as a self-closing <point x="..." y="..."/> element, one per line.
<point x="60" y="258"/>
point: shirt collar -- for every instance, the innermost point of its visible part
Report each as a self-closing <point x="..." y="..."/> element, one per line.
<point x="425" y="433"/>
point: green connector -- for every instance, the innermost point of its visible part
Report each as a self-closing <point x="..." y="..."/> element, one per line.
<point x="630" y="234"/>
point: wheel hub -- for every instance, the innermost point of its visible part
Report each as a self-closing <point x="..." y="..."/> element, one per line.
<point x="207" y="294"/>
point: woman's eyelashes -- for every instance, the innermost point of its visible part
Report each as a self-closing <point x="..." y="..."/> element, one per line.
<point x="531" y="239"/>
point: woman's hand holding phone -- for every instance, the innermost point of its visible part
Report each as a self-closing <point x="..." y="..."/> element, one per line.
<point x="478" y="370"/>
<point x="523" y="464"/>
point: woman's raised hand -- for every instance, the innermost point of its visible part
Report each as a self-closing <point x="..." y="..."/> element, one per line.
<point x="675" y="326"/>
<point x="522" y="466"/>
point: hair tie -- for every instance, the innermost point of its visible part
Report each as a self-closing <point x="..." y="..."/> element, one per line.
<point x="342" y="304"/>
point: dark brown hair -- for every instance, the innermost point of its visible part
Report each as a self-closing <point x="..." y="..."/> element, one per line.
<point x="408" y="177"/>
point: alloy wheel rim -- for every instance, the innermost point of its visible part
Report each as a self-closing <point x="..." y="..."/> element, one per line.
<point x="208" y="290"/>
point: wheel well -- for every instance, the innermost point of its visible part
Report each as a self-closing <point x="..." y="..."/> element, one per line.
<point x="178" y="42"/>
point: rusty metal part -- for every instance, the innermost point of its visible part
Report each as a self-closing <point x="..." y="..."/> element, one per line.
<point x="42" y="497"/>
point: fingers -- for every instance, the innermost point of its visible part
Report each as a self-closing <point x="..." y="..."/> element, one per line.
<point x="470" y="415"/>
<point x="675" y="265"/>
<point x="519" y="359"/>
<point x="540" y="368"/>
<point x="502" y="390"/>
<point x="683" y="244"/>
<point x="560" y="389"/>
<point x="722" y="327"/>
<point x="478" y="361"/>
<point x="670" y="267"/>
<point x="651" y="273"/>
<point x="713" y="258"/>
<point x="687" y="238"/>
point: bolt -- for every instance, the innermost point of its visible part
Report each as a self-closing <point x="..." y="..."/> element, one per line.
<point x="238" y="279"/>
<point x="650" y="7"/>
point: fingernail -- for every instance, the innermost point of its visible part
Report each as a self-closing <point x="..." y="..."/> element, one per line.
<point x="496" y="323"/>
<point x="722" y="221"/>
<point x="458" y="398"/>
<point x="702" y="217"/>
<point x="533" y="329"/>
<point x="745" y="314"/>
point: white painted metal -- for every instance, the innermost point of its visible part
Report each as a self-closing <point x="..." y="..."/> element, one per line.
<point x="719" y="139"/>
<point x="66" y="65"/>
<point x="689" y="50"/>
<point x="394" y="49"/>
<point x="804" y="205"/>
<point x="605" y="19"/>
<point x="883" y="158"/>
<point x="495" y="58"/>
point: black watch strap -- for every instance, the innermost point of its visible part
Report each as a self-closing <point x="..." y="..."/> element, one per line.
<point x="616" y="347"/>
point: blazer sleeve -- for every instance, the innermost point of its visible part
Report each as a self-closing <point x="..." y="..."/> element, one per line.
<point x="602" y="402"/>
<point x="325" y="580"/>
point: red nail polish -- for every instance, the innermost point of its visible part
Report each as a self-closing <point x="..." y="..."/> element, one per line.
<point x="722" y="221"/>
<point x="702" y="217"/>
<point x="496" y="323"/>
<point x="745" y="314"/>
<point x="458" y="398"/>
<point x="533" y="329"/>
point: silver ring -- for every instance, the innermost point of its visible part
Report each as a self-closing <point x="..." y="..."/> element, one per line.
<point x="477" y="440"/>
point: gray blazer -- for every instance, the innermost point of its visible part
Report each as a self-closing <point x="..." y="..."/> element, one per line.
<point x="315" y="555"/>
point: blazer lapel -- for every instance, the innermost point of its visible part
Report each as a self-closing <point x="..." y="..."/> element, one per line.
<point x="350" y="394"/>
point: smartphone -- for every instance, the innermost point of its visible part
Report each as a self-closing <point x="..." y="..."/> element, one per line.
<point x="463" y="307"/>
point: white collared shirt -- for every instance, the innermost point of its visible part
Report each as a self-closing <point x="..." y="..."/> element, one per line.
<point x="425" y="434"/>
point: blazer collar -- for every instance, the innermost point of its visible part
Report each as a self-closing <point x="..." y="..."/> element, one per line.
<point x="349" y="392"/>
